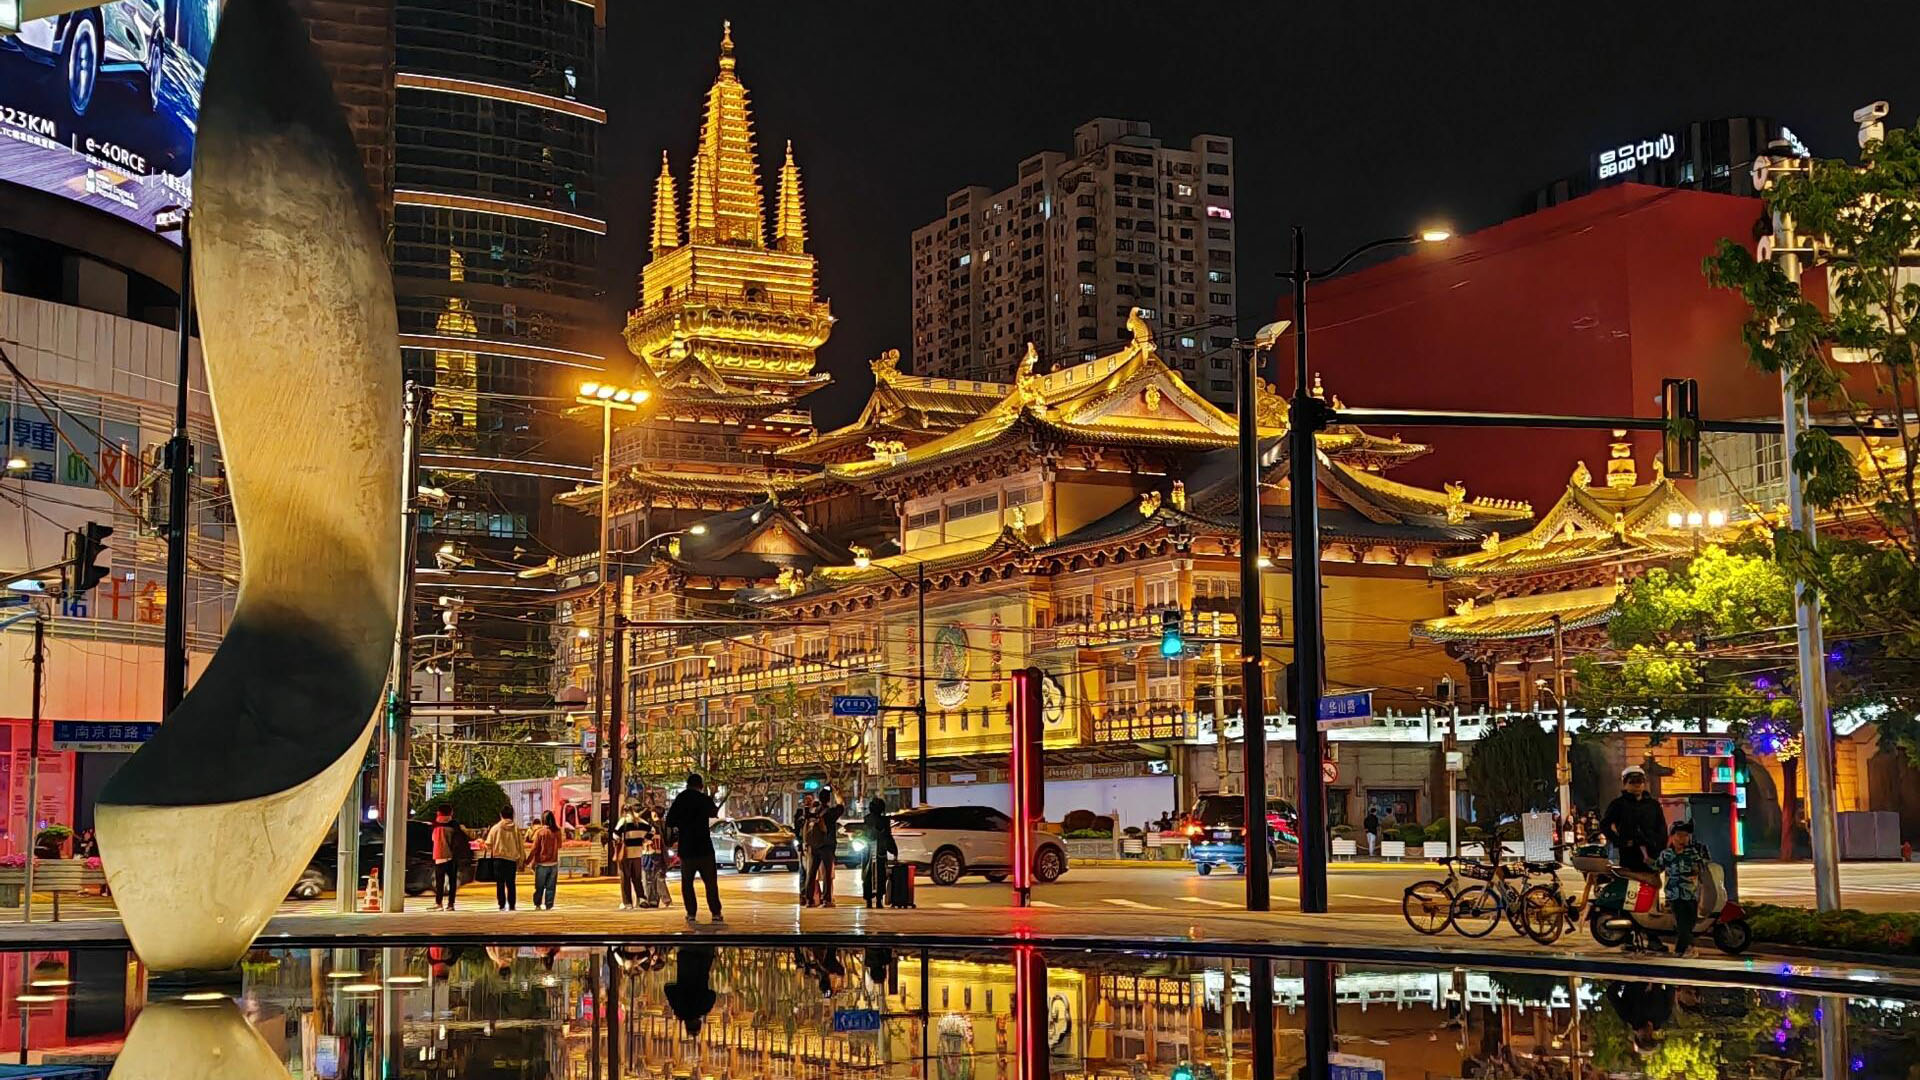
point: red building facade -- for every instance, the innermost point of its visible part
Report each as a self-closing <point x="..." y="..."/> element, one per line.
<point x="1578" y="308"/>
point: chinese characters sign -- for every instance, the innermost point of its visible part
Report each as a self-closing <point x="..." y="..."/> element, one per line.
<point x="1623" y="159"/>
<point x="101" y="737"/>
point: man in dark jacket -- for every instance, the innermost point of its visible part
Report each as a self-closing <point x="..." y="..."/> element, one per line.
<point x="1634" y="823"/>
<point x="690" y="820"/>
<point x="823" y="843"/>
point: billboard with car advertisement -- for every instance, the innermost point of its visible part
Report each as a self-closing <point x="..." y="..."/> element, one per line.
<point x="100" y="105"/>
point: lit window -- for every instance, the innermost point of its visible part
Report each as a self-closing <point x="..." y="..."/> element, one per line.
<point x="1219" y="212"/>
<point x="967" y="259"/>
<point x="1186" y="341"/>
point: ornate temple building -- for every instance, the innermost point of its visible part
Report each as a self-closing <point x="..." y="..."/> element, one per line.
<point x="726" y="327"/>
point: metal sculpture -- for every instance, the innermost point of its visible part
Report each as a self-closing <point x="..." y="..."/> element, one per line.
<point x="205" y="830"/>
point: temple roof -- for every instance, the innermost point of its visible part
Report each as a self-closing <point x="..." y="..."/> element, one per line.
<point x="1621" y="522"/>
<point x="1513" y="617"/>
<point x="903" y="411"/>
<point x="1125" y="398"/>
<point x="756" y="542"/>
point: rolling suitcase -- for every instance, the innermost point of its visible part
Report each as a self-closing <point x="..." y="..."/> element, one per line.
<point x="900" y="886"/>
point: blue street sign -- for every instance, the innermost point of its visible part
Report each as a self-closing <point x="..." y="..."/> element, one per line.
<point x="1343" y="710"/>
<point x="88" y="736"/>
<point x="856" y="1019"/>
<point x="856" y="705"/>
<point x="1355" y="1067"/>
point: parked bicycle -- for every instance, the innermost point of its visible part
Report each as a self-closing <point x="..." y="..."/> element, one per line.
<point x="1431" y="906"/>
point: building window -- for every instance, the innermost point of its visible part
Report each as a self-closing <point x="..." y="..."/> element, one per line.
<point x="1215" y="168"/>
<point x="925" y="519"/>
<point x="1220" y="212"/>
<point x="1117" y="600"/>
<point x="1076" y="607"/>
<point x="966" y="508"/>
<point x="1219" y="277"/>
<point x="1219" y="298"/>
<point x="1217" y="146"/>
<point x="1220" y="386"/>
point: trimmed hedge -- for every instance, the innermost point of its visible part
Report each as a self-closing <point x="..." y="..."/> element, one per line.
<point x="476" y="803"/>
<point x="1895" y="932"/>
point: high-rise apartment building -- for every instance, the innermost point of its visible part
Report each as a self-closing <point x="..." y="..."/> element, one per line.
<point x="1059" y="258"/>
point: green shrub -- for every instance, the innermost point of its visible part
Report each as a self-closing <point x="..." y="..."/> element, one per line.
<point x="1437" y="829"/>
<point x="1887" y="932"/>
<point x="1411" y="835"/>
<point x="1087" y="834"/>
<point x="1342" y="832"/>
<point x="476" y="803"/>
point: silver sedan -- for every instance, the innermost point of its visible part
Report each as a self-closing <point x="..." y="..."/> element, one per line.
<point x="755" y="843"/>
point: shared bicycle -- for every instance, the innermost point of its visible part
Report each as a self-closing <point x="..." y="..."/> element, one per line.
<point x="1491" y="892"/>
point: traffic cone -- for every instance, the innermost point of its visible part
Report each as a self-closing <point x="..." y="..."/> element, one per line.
<point x="370" y="899"/>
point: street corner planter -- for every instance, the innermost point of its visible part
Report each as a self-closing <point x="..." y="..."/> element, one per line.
<point x="1097" y="848"/>
<point x="50" y="875"/>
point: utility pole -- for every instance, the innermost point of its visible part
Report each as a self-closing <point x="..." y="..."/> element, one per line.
<point x="1563" y="770"/>
<point x="604" y="595"/>
<point x="1788" y="252"/>
<point x="616" y="741"/>
<point x="33" y="760"/>
<point x="399" y="717"/>
<point x="1253" y="722"/>
<point x="179" y="460"/>
<point x="920" y="698"/>
<point x="1219" y="707"/>
<point x="1304" y="420"/>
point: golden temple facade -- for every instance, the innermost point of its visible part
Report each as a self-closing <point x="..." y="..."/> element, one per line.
<point x="742" y="308"/>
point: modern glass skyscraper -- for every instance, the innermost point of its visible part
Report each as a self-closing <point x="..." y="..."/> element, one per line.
<point x="496" y="231"/>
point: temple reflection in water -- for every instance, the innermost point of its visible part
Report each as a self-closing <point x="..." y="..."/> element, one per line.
<point x="816" y="1012"/>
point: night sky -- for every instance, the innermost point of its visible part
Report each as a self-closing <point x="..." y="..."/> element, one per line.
<point x="1355" y="119"/>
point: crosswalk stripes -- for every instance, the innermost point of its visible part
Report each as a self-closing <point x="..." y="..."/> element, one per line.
<point x="1041" y="903"/>
<point x="951" y="904"/>
<point x="1137" y="905"/>
<point x="1204" y="900"/>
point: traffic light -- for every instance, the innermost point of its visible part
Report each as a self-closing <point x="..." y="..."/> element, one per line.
<point x="1182" y="1071"/>
<point x="811" y="783"/>
<point x="85" y="547"/>
<point x="1680" y="406"/>
<point x="1173" y="641"/>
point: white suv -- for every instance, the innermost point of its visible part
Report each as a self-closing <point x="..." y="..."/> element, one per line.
<point x="949" y="841"/>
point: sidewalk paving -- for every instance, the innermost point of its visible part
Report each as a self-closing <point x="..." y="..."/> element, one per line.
<point x="752" y="920"/>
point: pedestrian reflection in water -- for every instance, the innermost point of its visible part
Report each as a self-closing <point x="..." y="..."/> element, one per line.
<point x="1644" y="1008"/>
<point x="690" y="994"/>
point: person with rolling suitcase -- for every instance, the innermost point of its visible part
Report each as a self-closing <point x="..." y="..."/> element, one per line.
<point x="880" y="850"/>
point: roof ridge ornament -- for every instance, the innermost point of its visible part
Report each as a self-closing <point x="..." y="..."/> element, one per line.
<point x="886" y="367"/>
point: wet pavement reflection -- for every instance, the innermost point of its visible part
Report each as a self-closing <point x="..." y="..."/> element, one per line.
<point x="822" y="1012"/>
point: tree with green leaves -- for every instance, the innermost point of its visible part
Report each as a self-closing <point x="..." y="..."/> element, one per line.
<point x="1510" y="771"/>
<point x="1853" y="357"/>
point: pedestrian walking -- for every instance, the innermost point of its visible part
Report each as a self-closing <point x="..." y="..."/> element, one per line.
<point x="690" y="823"/>
<point x="544" y="854"/>
<point x="878" y="829"/>
<point x="448" y="841"/>
<point x="1372" y="826"/>
<point x="507" y="850"/>
<point x="631" y="833"/>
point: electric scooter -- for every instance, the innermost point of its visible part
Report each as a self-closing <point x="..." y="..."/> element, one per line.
<point x="1625" y="910"/>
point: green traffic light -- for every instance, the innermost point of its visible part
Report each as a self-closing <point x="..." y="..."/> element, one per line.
<point x="1182" y="1072"/>
<point x="1172" y="645"/>
<point x="812" y="783"/>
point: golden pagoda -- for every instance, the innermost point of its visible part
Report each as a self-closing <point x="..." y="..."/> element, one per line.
<point x="729" y="313"/>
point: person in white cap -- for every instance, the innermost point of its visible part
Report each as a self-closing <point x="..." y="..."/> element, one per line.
<point x="1634" y="822"/>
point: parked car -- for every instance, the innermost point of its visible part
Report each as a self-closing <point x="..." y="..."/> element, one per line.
<point x="853" y="845"/>
<point x="755" y="843"/>
<point x="949" y="841"/>
<point x="128" y="36"/>
<point x="319" y="876"/>
<point x="1216" y="830"/>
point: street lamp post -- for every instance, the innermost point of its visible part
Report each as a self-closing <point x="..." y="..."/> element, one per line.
<point x="1308" y="415"/>
<point x="919" y="582"/>
<point x="179" y="463"/>
<point x="607" y="398"/>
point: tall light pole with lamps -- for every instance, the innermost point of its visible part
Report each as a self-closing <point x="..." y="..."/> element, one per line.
<point x="608" y="399"/>
<point x="919" y="582"/>
<point x="1308" y="415"/>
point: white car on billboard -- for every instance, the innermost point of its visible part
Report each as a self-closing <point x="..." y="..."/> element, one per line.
<point x="127" y="37"/>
